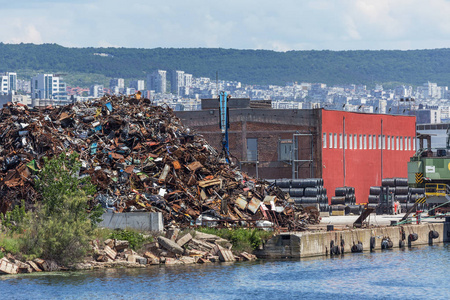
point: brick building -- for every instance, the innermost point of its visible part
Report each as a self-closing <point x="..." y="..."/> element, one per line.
<point x="343" y="148"/>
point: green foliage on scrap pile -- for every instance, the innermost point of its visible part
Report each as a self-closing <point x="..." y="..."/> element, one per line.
<point x="61" y="226"/>
<point x="242" y="239"/>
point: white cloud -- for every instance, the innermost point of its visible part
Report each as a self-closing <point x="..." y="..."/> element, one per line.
<point x="18" y="32"/>
<point x="281" y="25"/>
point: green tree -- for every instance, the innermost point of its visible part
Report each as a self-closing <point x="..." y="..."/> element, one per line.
<point x="61" y="227"/>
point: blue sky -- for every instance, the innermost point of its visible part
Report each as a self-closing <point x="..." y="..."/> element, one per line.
<point x="274" y="25"/>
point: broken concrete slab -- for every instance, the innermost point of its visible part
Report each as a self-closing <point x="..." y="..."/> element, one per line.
<point x="184" y="240"/>
<point x="42" y="264"/>
<point x="172" y="233"/>
<point x="34" y="266"/>
<point x="8" y="267"/>
<point x="225" y="255"/>
<point x="110" y="252"/>
<point x="170" y="245"/>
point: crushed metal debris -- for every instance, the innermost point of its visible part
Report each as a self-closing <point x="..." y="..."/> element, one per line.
<point x="141" y="158"/>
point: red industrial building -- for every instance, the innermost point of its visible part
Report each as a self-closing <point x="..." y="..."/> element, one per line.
<point x="360" y="149"/>
<point x="344" y="148"/>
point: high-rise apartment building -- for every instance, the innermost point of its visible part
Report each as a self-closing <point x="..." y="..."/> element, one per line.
<point x="187" y="83"/>
<point x="138" y="85"/>
<point x="117" y="82"/>
<point x="49" y="86"/>
<point x="96" y="91"/>
<point x="157" y="81"/>
<point x="177" y="82"/>
<point x="117" y="85"/>
<point x="8" y="83"/>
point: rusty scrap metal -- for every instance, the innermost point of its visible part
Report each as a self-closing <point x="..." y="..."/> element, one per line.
<point x="141" y="158"/>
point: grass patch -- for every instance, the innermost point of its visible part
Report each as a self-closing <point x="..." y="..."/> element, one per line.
<point x="242" y="239"/>
<point x="134" y="237"/>
<point x="10" y="244"/>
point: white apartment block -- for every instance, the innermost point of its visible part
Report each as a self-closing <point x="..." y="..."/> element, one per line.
<point x="117" y="82"/>
<point x="8" y="83"/>
<point x="96" y="91"/>
<point x="49" y="86"/>
<point x="138" y="85"/>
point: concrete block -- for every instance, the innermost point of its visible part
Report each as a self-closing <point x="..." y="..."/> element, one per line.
<point x="151" y="258"/>
<point x="225" y="255"/>
<point x="41" y="263"/>
<point x="184" y="240"/>
<point x="8" y="267"/>
<point x="34" y="266"/>
<point x="109" y="242"/>
<point x="170" y="245"/>
<point x="120" y="245"/>
<point x="188" y="260"/>
<point x="172" y="234"/>
<point x="110" y="253"/>
<point x="172" y="261"/>
<point x="141" y="260"/>
<point x="156" y="221"/>
<point x="148" y="221"/>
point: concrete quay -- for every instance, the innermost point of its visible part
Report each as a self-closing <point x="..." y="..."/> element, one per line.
<point x="318" y="242"/>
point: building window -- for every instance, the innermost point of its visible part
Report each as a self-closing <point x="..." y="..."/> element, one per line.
<point x="392" y="142"/>
<point x="374" y="141"/>
<point x="383" y="142"/>
<point x="406" y="143"/>
<point x="370" y="141"/>
<point x="396" y="143"/>
<point x="331" y="141"/>
<point x="389" y="142"/>
<point x="360" y="142"/>
<point x="379" y="141"/>
<point x="350" y="141"/>
<point x="335" y="141"/>
<point x="414" y="143"/>
<point x="341" y="142"/>
<point x="345" y="141"/>
<point x="324" y="140"/>
<point x="252" y="149"/>
<point x="365" y="141"/>
<point x="355" y="137"/>
<point x="401" y="143"/>
<point x="285" y="150"/>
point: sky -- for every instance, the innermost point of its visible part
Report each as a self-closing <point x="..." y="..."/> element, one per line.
<point x="280" y="25"/>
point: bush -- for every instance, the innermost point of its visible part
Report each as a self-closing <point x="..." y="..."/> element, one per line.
<point x="12" y="220"/>
<point x="9" y="244"/>
<point x="61" y="228"/>
<point x="242" y="239"/>
<point x="135" y="238"/>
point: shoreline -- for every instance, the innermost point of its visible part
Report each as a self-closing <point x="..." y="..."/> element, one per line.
<point x="202" y="248"/>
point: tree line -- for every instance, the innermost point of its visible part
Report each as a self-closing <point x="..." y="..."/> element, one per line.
<point x="258" y="67"/>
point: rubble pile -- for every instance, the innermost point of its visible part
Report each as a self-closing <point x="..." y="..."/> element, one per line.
<point x="169" y="250"/>
<point x="141" y="158"/>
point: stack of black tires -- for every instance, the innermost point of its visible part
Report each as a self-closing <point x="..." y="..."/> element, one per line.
<point x="398" y="187"/>
<point x="306" y="192"/>
<point x="345" y="200"/>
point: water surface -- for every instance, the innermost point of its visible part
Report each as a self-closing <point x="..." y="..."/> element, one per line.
<point x="417" y="273"/>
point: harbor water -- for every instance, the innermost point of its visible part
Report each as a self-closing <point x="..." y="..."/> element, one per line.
<point x="416" y="273"/>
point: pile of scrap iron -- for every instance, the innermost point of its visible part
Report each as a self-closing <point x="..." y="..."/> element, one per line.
<point x="141" y="158"/>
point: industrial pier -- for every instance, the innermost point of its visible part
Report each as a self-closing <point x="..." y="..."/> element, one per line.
<point x="319" y="243"/>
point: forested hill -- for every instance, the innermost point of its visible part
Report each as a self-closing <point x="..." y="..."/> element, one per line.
<point x="247" y="66"/>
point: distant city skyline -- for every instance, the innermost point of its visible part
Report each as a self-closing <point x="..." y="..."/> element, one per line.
<point x="281" y="26"/>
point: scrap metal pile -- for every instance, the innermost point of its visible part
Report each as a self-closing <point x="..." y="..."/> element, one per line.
<point x="141" y="158"/>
